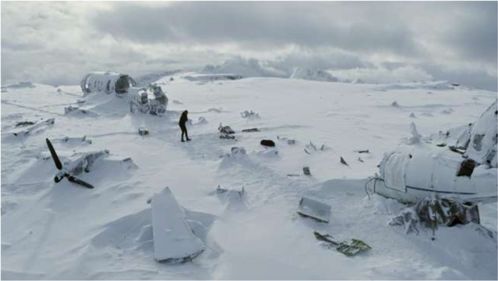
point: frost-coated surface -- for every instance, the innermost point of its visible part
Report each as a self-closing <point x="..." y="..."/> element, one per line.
<point x="62" y="231"/>
<point x="173" y="238"/>
<point x="482" y="146"/>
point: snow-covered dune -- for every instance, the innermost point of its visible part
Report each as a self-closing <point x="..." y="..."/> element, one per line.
<point x="63" y="231"/>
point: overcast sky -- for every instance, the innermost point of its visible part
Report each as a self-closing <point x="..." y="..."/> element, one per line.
<point x="58" y="42"/>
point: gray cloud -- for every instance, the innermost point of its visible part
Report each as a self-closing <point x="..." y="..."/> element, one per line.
<point x="474" y="36"/>
<point x="262" y="24"/>
<point x="477" y="78"/>
<point x="321" y="58"/>
<point x="57" y="42"/>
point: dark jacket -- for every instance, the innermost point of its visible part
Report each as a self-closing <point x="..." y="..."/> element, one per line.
<point x="183" y="119"/>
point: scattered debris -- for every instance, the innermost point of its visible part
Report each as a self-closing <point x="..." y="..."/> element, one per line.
<point x="314" y="209"/>
<point x="395" y="104"/>
<point x="344" y="161"/>
<point x="268" y="143"/>
<point x="458" y="137"/>
<point x="225" y="129"/>
<point x="238" y="151"/>
<point x="289" y="141"/>
<point x="362" y="151"/>
<point x="69" y="109"/>
<point x="249" y="114"/>
<point x="360" y="160"/>
<point x="250" y="130"/>
<point x="85" y="162"/>
<point x="143" y="131"/>
<point x="435" y="211"/>
<point x="457" y="150"/>
<point x="129" y="163"/>
<point x="293" y="175"/>
<point x="226" y="132"/>
<point x="76" y="109"/>
<point x="75" y="140"/>
<point x="35" y="127"/>
<point x="200" y="121"/>
<point x="412" y="115"/>
<point x="66" y="173"/>
<point x="239" y="193"/>
<point x="24" y="123"/>
<point x="306" y="171"/>
<point x="268" y="153"/>
<point x="227" y="137"/>
<point x="348" y="248"/>
<point x="407" y="218"/>
<point x="311" y="147"/>
<point x="447" y="111"/>
<point x="177" y="101"/>
<point x="234" y="199"/>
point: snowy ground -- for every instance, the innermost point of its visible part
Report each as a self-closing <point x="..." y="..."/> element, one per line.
<point x="62" y="231"/>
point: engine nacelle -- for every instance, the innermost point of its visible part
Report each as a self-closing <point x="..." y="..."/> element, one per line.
<point x="106" y="82"/>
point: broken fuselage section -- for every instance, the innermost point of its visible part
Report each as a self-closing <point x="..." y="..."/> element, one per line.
<point x="460" y="166"/>
<point x="106" y="82"/>
<point x="150" y="99"/>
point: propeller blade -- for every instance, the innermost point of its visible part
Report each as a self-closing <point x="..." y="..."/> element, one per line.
<point x="78" y="181"/>
<point x="59" y="177"/>
<point x="56" y="159"/>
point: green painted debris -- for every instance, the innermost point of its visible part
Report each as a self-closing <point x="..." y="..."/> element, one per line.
<point x="353" y="247"/>
<point x="348" y="248"/>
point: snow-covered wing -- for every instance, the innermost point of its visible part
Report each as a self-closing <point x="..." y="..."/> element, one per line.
<point x="173" y="237"/>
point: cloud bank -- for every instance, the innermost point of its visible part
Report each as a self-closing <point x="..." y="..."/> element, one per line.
<point x="57" y="42"/>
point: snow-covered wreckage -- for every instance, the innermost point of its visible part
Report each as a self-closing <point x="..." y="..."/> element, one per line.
<point x="108" y="82"/>
<point x="150" y="99"/>
<point x="174" y="239"/>
<point x="466" y="171"/>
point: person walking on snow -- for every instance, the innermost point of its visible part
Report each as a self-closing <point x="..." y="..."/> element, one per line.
<point x="183" y="124"/>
